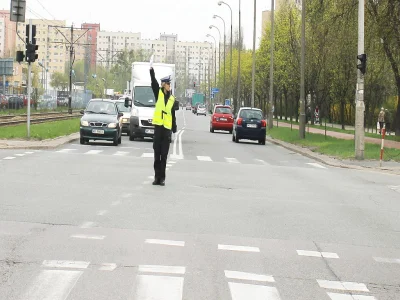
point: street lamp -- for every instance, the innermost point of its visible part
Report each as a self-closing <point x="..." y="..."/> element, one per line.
<point x="105" y="87"/>
<point x="219" y="48"/>
<point x="230" y="72"/>
<point x="209" y="64"/>
<point x="216" y="16"/>
<point x="215" y="59"/>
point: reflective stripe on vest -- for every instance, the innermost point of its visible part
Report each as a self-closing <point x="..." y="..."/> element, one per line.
<point x="163" y="113"/>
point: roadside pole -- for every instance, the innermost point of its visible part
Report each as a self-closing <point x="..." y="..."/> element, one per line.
<point x="28" y="115"/>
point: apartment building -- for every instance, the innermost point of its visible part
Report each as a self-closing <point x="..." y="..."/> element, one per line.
<point x="2" y="36"/>
<point x="92" y="33"/>
<point x="8" y="35"/>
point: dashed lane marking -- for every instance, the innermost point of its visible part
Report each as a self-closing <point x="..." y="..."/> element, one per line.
<point x="238" y="248"/>
<point x="70" y="264"/>
<point x="317" y="254"/>
<point x="165" y="242"/>
<point x="88" y="237"/>
<point x="204" y="158"/>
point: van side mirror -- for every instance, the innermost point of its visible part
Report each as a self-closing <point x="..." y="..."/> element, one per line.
<point x="120" y="114"/>
<point x="128" y="102"/>
<point x="82" y="112"/>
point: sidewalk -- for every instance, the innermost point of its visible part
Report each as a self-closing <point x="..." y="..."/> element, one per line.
<point x="45" y="144"/>
<point x="345" y="136"/>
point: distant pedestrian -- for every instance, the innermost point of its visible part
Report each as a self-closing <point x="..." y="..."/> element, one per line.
<point x="164" y="122"/>
<point x="388" y="118"/>
<point x="381" y="119"/>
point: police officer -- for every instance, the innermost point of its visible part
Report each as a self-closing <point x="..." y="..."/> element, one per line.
<point x="164" y="122"/>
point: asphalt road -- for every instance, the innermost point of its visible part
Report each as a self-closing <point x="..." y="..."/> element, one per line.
<point x="234" y="221"/>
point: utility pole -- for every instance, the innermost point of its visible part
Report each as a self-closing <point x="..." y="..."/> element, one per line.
<point x="253" y="77"/>
<point x="302" y="127"/>
<point x="360" y="106"/>
<point x="239" y="49"/>
<point x="71" y="57"/>
<point x="28" y="115"/>
<point x="271" y="71"/>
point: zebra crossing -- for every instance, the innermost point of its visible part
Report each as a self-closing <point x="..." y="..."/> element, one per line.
<point x="56" y="279"/>
<point x="147" y="153"/>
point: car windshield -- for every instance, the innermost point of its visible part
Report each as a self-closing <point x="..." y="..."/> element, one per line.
<point x="101" y="107"/>
<point x="251" y="114"/>
<point x="122" y="108"/>
<point x="202" y="106"/>
<point x="223" y="110"/>
<point x="144" y="96"/>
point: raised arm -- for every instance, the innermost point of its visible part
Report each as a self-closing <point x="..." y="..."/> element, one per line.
<point x="154" y="83"/>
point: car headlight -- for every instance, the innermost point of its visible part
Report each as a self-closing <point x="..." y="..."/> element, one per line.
<point x="112" y="125"/>
<point x="125" y="120"/>
<point x="84" y="123"/>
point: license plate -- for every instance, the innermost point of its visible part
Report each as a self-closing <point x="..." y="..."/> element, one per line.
<point x="223" y="119"/>
<point x="98" y="131"/>
<point x="149" y="131"/>
<point x="252" y="125"/>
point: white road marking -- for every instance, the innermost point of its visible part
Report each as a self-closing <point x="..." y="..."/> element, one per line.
<point x="165" y="242"/>
<point x="394" y="188"/>
<point x="115" y="203"/>
<point x="169" y="165"/>
<point x="136" y="148"/>
<point x="238" y="248"/>
<point x="108" y="267"/>
<point x="387" y="260"/>
<point x="20" y="155"/>
<point x="88" y="237"/>
<point x="65" y="150"/>
<point x="184" y="118"/>
<point x="317" y="254"/>
<point x="120" y="153"/>
<point x="316" y="165"/>
<point x="145" y="182"/>
<point x="101" y="212"/>
<point x="150" y="177"/>
<point x="29" y="152"/>
<point x="172" y="162"/>
<point x="126" y="195"/>
<point x="71" y="264"/>
<point x="92" y="152"/>
<point x="343" y="286"/>
<point x="241" y="291"/>
<point x="162" y="269"/>
<point x="248" y="276"/>
<point x="180" y="145"/>
<point x="9" y="158"/>
<point x="148" y="155"/>
<point x="231" y="160"/>
<point x="204" y="158"/>
<point x="52" y="285"/>
<point x="159" y="288"/>
<point x="88" y="225"/>
<point x="335" y="296"/>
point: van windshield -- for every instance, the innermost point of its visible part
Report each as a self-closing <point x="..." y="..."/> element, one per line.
<point x="143" y="96"/>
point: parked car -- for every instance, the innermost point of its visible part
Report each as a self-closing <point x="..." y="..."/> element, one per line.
<point x="101" y="121"/>
<point x="188" y="106"/>
<point x="249" y="124"/>
<point x="222" y="118"/>
<point x="15" y="102"/>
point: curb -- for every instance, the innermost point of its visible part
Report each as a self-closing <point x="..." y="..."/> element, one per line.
<point x="328" y="160"/>
<point x="38" y="145"/>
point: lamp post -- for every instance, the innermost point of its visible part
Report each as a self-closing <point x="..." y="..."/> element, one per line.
<point x="219" y="48"/>
<point x="209" y="66"/>
<point x="215" y="59"/>
<point x="230" y="72"/>
<point x="216" y="16"/>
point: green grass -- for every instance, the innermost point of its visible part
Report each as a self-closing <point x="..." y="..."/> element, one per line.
<point x="330" y="128"/>
<point x="41" y="131"/>
<point x="331" y="146"/>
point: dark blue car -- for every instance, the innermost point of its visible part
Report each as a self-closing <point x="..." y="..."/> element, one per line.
<point x="249" y="124"/>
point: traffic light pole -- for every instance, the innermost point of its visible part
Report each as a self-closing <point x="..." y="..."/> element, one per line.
<point x="360" y="106"/>
<point x="71" y="54"/>
<point x="28" y="115"/>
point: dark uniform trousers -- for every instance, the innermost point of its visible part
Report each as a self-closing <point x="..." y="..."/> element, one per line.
<point x="161" y="148"/>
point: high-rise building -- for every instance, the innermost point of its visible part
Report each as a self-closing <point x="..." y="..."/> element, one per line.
<point x="8" y="35"/>
<point x="92" y="33"/>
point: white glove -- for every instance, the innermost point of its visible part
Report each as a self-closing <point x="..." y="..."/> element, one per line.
<point x="151" y="61"/>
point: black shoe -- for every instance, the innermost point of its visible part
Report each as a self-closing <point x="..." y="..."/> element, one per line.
<point x="156" y="181"/>
<point x="162" y="182"/>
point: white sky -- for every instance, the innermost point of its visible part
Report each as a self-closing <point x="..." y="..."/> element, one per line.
<point x="189" y="19"/>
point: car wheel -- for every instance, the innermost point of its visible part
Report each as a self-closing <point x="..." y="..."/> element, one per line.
<point x="211" y="129"/>
<point x="236" y="139"/>
<point x="120" y="140"/>
<point x="82" y="141"/>
<point x="115" y="141"/>
<point x="197" y="114"/>
<point x="230" y="131"/>
<point x="262" y="142"/>
<point x="131" y="137"/>
<point x="233" y="138"/>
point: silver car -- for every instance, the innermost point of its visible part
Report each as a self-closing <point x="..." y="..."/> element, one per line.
<point x="201" y="110"/>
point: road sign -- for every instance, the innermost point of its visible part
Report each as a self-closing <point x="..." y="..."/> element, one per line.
<point x="227" y="102"/>
<point x="215" y="90"/>
<point x="6" y="66"/>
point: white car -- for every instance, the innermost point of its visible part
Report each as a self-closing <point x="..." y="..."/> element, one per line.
<point x="201" y="110"/>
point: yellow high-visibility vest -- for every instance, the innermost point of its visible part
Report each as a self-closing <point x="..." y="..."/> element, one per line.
<point x="163" y="113"/>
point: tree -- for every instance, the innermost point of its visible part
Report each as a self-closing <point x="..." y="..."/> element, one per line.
<point x="59" y="81"/>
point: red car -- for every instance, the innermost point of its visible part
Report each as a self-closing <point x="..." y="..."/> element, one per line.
<point x="222" y="118"/>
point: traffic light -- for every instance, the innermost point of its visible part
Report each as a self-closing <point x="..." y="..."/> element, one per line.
<point x="33" y="34"/>
<point x="20" y="56"/>
<point x="194" y="84"/>
<point x="31" y="54"/>
<point x="363" y="65"/>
